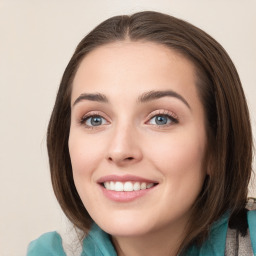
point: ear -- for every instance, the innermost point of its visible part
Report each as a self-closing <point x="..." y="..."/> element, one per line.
<point x="209" y="167"/>
<point x="209" y="163"/>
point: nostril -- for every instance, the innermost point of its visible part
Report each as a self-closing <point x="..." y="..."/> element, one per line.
<point x="129" y="158"/>
<point x="121" y="158"/>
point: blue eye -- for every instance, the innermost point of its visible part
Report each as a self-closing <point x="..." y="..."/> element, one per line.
<point x="95" y="121"/>
<point x="162" y="120"/>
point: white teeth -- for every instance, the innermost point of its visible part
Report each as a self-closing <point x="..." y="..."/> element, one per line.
<point x="127" y="186"/>
<point x="119" y="186"/>
<point x="150" y="185"/>
<point x="107" y="185"/>
<point x="112" y="185"/>
<point x="143" y="185"/>
<point x="136" y="186"/>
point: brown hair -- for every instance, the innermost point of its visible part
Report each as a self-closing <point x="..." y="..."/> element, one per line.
<point x="229" y="156"/>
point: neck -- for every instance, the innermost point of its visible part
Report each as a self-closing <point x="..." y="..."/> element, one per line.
<point x="161" y="243"/>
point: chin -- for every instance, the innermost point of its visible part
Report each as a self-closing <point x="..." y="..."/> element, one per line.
<point x="126" y="230"/>
<point x="125" y="226"/>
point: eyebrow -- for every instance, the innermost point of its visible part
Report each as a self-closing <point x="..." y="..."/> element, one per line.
<point x="154" y="95"/>
<point x="91" y="97"/>
<point x="145" y="97"/>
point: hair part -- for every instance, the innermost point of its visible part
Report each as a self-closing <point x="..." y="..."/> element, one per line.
<point x="229" y="145"/>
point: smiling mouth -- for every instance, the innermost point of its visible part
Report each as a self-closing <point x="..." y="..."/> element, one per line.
<point x="127" y="186"/>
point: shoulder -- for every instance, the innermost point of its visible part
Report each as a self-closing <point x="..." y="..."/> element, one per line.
<point x="98" y="243"/>
<point x="251" y="217"/>
<point x="66" y="241"/>
<point x="223" y="240"/>
<point x="239" y="242"/>
<point x="47" y="244"/>
<point x="73" y="241"/>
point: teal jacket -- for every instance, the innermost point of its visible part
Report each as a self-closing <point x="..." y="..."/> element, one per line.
<point x="98" y="243"/>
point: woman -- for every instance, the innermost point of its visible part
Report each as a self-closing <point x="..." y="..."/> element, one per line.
<point x="150" y="144"/>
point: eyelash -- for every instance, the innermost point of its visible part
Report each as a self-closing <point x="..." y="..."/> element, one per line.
<point x="173" y="119"/>
<point x="86" y="117"/>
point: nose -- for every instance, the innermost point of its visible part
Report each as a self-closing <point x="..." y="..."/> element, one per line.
<point x="124" y="146"/>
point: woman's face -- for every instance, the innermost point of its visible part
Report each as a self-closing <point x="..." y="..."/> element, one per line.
<point x="137" y="125"/>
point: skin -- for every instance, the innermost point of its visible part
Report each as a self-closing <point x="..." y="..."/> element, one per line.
<point x="129" y="141"/>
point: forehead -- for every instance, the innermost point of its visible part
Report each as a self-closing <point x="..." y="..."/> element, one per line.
<point x="134" y="67"/>
<point x="134" y="51"/>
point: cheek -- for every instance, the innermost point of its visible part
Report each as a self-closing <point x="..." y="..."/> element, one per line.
<point x="180" y="154"/>
<point x="180" y="160"/>
<point x="85" y="154"/>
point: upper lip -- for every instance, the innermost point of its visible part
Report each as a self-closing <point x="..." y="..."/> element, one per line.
<point x="124" y="178"/>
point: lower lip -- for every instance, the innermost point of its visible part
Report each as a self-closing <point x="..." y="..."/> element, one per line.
<point x="123" y="196"/>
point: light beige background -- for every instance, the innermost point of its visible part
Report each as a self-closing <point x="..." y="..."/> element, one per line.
<point x="37" y="38"/>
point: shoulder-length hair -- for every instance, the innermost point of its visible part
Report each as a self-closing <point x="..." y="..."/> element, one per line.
<point x="229" y="151"/>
